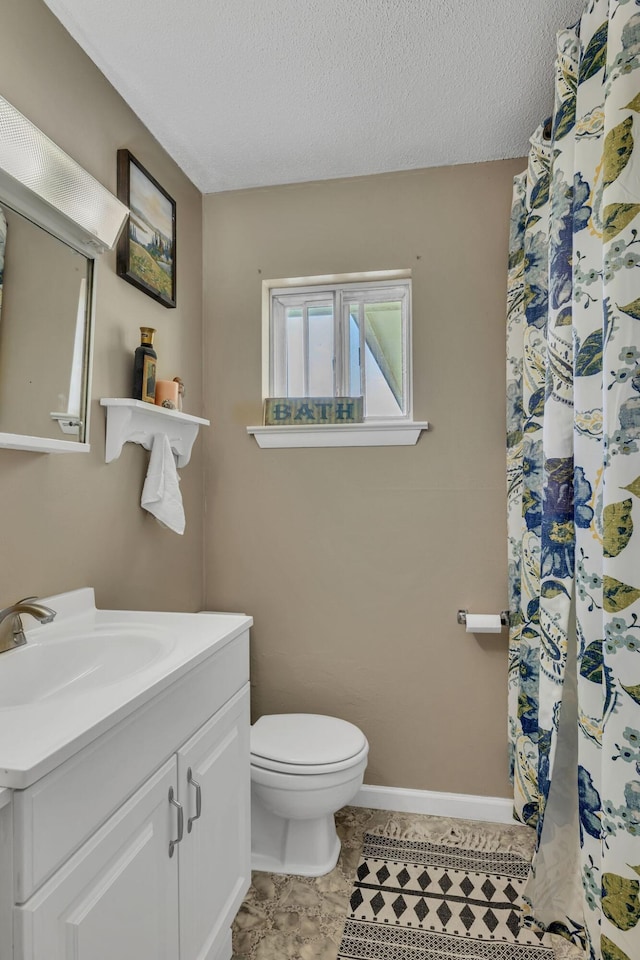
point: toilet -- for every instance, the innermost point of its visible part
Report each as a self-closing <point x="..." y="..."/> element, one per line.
<point x="304" y="767"/>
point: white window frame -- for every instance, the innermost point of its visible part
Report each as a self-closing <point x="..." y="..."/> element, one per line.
<point x="303" y="297"/>
<point x="387" y="431"/>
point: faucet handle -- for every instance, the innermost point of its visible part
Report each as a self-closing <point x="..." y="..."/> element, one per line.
<point x="17" y="630"/>
<point x="11" y="630"/>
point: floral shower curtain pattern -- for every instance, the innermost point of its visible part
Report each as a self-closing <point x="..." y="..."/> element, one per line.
<point x="573" y="471"/>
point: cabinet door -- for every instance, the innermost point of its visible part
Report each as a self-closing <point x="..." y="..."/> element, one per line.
<point x="215" y="868"/>
<point x="117" y="897"/>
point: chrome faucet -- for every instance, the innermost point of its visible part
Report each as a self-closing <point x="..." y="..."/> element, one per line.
<point x="11" y="628"/>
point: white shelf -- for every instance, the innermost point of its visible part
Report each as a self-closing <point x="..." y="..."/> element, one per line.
<point x="16" y="441"/>
<point x="133" y="421"/>
<point x="383" y="433"/>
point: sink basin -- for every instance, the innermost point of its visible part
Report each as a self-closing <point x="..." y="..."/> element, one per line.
<point x="81" y="675"/>
<point x="75" y="664"/>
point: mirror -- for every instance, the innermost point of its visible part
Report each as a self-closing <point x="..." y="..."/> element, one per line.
<point x="55" y="219"/>
<point x="45" y="299"/>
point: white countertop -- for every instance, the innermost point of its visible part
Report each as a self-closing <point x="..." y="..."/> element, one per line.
<point x="36" y="737"/>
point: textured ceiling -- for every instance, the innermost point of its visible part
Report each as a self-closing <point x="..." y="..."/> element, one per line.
<point x="246" y="93"/>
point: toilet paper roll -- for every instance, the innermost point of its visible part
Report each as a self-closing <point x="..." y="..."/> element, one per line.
<point x="483" y="623"/>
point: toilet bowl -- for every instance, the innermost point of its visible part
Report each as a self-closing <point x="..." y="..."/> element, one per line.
<point x="304" y="767"/>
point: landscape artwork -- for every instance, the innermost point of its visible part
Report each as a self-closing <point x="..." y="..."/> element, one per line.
<point x="147" y="247"/>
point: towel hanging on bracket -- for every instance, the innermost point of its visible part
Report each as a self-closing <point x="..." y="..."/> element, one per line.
<point x="161" y="492"/>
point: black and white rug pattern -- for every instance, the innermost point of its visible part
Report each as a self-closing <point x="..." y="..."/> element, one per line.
<point x="417" y="899"/>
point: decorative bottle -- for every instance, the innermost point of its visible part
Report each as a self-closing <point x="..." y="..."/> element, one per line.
<point x="144" y="367"/>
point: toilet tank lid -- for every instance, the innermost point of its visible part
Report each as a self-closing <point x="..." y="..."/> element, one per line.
<point x="305" y="738"/>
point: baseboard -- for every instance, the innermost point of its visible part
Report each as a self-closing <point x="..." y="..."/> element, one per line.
<point x="459" y="805"/>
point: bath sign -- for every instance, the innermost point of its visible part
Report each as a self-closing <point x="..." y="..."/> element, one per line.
<point x="312" y="410"/>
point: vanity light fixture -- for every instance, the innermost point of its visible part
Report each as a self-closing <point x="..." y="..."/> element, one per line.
<point x="43" y="183"/>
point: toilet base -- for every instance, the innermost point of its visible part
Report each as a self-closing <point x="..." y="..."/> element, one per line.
<point x="307" y="848"/>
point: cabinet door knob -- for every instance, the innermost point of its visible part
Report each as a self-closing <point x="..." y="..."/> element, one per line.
<point x="192" y="820"/>
<point x="178" y="806"/>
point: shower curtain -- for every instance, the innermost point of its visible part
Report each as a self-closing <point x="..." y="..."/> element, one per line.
<point x="573" y="467"/>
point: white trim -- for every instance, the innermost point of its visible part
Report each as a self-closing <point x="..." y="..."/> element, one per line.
<point x="401" y="433"/>
<point x="17" y="441"/>
<point x="365" y="276"/>
<point x="462" y="806"/>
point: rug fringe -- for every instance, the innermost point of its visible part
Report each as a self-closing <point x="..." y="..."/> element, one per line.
<point x="565" y="950"/>
<point x="475" y="834"/>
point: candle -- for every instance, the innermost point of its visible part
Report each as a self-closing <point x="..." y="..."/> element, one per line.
<point x="167" y="394"/>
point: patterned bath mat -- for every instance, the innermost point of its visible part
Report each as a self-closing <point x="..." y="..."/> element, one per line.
<point x="416" y="900"/>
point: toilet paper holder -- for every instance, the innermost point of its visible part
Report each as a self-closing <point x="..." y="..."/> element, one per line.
<point x="462" y="617"/>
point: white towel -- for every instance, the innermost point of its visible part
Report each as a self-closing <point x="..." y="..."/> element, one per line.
<point x="161" y="492"/>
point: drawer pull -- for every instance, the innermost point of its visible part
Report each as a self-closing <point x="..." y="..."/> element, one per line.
<point x="178" y="806"/>
<point x="192" y="820"/>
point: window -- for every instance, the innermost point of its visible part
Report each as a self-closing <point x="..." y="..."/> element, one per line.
<point x="343" y="340"/>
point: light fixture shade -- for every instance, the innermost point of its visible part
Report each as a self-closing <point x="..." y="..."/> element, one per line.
<point x="43" y="183"/>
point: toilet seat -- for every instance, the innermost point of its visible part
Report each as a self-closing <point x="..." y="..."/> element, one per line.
<point x="306" y="769"/>
<point x="305" y="743"/>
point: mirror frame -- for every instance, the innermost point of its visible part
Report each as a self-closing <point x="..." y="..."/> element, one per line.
<point x="44" y="184"/>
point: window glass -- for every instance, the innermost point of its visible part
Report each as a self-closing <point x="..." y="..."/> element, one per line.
<point x="295" y="353"/>
<point x="351" y="339"/>
<point x="383" y="359"/>
<point x="320" y="321"/>
<point x="354" y="388"/>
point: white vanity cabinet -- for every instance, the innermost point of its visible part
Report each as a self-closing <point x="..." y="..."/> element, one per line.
<point x="117" y="896"/>
<point x="214" y="857"/>
<point x="94" y="877"/>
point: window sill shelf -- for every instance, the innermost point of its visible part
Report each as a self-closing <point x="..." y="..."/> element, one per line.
<point x="371" y="434"/>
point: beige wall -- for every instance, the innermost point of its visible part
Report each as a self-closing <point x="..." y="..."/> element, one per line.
<point x="354" y="562"/>
<point x="72" y="520"/>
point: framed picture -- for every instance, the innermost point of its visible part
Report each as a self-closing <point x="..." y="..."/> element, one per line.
<point x="147" y="246"/>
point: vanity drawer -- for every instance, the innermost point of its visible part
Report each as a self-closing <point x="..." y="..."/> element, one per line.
<point x="55" y="815"/>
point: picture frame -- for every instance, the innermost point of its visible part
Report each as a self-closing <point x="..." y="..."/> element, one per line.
<point x="146" y="254"/>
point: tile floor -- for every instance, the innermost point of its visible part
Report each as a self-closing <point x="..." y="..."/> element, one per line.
<point x="301" y="918"/>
